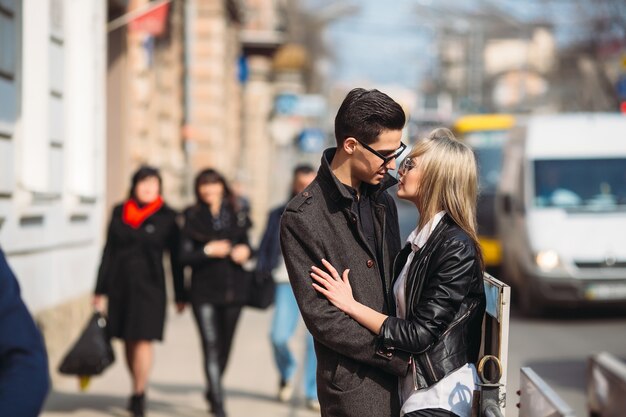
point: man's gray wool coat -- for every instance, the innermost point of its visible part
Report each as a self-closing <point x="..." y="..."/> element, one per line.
<point x="355" y="376"/>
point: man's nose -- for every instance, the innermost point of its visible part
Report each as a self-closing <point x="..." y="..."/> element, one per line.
<point x="391" y="165"/>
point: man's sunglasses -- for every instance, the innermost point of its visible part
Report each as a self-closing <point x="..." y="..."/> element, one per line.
<point x="386" y="158"/>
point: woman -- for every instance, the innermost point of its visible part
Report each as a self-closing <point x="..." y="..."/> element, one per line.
<point x="215" y="245"/>
<point x="131" y="276"/>
<point x="438" y="291"/>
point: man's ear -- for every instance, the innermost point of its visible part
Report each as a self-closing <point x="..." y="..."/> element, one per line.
<point x="349" y="145"/>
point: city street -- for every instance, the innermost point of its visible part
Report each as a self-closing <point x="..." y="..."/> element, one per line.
<point x="556" y="347"/>
<point x="177" y="385"/>
<point x="147" y="139"/>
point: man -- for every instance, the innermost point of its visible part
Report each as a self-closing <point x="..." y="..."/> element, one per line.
<point x="286" y="313"/>
<point x="346" y="217"/>
<point x="23" y="360"/>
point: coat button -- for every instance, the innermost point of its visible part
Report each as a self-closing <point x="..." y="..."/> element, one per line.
<point x="305" y="194"/>
<point x="370" y="263"/>
<point x="353" y="218"/>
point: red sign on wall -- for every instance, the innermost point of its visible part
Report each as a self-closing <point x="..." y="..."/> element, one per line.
<point x="153" y="21"/>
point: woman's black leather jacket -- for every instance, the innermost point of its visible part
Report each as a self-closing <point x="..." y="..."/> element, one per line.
<point x="445" y="304"/>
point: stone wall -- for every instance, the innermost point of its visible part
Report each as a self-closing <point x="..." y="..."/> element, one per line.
<point x="214" y="125"/>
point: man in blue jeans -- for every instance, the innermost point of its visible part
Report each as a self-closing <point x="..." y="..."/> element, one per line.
<point x="286" y="313"/>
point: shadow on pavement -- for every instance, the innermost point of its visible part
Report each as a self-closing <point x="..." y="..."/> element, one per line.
<point x="66" y="402"/>
<point x="177" y="388"/>
<point x="191" y="388"/>
<point x="63" y="402"/>
<point x="234" y="393"/>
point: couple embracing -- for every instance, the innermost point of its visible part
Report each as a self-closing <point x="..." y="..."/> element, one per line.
<point x="397" y="329"/>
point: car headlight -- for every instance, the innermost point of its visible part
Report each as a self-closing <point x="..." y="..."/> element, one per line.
<point x="547" y="260"/>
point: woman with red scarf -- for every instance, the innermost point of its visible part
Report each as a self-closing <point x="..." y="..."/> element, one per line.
<point x="131" y="276"/>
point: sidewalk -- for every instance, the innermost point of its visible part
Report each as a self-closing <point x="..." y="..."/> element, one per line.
<point x="177" y="384"/>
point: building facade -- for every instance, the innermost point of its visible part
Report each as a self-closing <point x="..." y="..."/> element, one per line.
<point x="145" y="101"/>
<point x="213" y="87"/>
<point x="52" y="144"/>
<point x="85" y="102"/>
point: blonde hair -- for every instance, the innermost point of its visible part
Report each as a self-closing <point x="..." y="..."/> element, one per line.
<point x="449" y="181"/>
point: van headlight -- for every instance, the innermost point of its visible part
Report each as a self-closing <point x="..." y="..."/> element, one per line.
<point x="547" y="260"/>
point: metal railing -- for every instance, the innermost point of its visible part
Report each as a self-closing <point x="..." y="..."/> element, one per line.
<point x="606" y="386"/>
<point x="537" y="399"/>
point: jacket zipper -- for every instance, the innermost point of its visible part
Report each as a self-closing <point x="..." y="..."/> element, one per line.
<point x="414" y="369"/>
<point x="460" y="319"/>
<point x="430" y="366"/>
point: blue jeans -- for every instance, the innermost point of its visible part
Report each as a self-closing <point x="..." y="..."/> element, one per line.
<point x="284" y="323"/>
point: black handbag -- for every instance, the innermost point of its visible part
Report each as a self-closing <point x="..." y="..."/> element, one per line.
<point x="261" y="290"/>
<point x="92" y="353"/>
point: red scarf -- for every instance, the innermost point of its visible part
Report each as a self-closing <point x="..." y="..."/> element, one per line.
<point x="134" y="216"/>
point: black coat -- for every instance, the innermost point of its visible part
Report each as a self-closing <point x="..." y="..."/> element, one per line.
<point x="131" y="274"/>
<point x="355" y="377"/>
<point x="445" y="299"/>
<point x="24" y="377"/>
<point x="214" y="280"/>
<point x="268" y="254"/>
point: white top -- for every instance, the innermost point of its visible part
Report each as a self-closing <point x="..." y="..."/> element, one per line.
<point x="452" y="393"/>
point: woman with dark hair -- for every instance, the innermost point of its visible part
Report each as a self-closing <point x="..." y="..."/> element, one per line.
<point x="131" y="276"/>
<point x="215" y="245"/>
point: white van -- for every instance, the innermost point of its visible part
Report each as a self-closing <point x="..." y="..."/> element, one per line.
<point x="561" y="210"/>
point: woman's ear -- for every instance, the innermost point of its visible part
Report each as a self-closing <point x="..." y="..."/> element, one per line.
<point x="349" y="145"/>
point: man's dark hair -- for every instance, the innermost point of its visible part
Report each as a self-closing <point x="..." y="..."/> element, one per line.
<point x="303" y="169"/>
<point x="364" y="114"/>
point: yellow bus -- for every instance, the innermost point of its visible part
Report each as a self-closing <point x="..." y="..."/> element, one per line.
<point x="486" y="134"/>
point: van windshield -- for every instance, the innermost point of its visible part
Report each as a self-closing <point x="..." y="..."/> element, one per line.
<point x="581" y="184"/>
<point x="487" y="146"/>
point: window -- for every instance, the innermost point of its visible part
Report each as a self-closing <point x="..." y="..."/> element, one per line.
<point x="56" y="98"/>
<point x="9" y="52"/>
<point x="9" y="42"/>
<point x="487" y="146"/>
<point x="581" y="184"/>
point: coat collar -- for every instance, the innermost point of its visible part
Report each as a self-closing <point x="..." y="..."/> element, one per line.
<point x="339" y="191"/>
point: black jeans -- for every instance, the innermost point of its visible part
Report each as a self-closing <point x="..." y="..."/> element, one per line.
<point x="216" y="324"/>
<point x="431" y="412"/>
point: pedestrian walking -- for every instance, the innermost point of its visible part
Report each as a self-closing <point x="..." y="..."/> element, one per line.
<point x="132" y="279"/>
<point x="347" y="217"/>
<point x="286" y="314"/>
<point x="24" y="380"/>
<point x="215" y="245"/>
<point x="438" y="290"/>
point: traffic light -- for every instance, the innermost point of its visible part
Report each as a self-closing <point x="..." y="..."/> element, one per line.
<point x="622" y="107"/>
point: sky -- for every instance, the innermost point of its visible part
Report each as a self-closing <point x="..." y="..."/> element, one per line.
<point x="395" y="42"/>
<point x="383" y="44"/>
